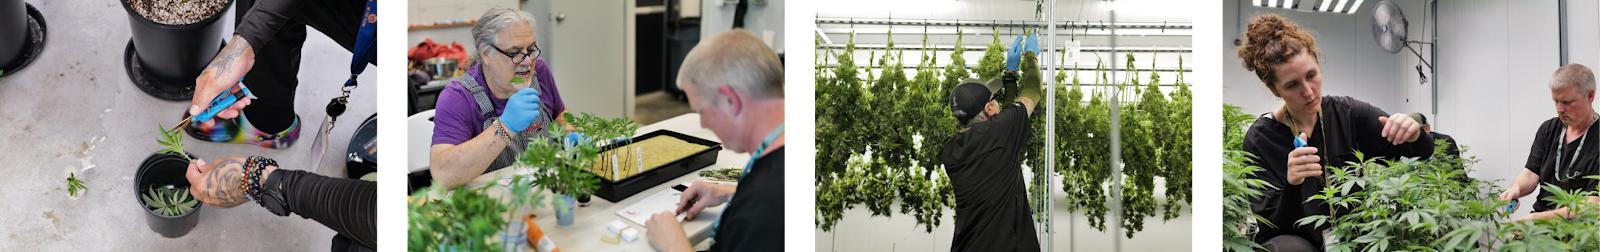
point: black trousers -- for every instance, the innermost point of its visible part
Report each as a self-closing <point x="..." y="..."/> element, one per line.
<point x="274" y="79"/>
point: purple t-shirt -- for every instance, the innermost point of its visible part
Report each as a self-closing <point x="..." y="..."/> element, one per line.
<point x="457" y="119"/>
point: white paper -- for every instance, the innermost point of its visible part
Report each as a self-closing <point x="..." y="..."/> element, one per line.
<point x="663" y="201"/>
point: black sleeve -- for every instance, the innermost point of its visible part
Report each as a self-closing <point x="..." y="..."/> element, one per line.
<point x="1536" y="153"/>
<point x="1368" y="134"/>
<point x="263" y="20"/>
<point x="345" y="205"/>
<point x="1281" y="203"/>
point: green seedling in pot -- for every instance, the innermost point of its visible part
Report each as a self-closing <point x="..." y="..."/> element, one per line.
<point x="168" y="201"/>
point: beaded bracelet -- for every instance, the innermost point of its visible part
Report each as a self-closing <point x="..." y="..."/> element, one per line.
<point x="251" y="180"/>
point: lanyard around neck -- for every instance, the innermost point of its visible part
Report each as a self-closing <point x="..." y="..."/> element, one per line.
<point x="1561" y="144"/>
<point x="754" y="155"/>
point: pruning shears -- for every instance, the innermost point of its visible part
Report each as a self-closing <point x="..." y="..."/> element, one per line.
<point x="222" y="101"/>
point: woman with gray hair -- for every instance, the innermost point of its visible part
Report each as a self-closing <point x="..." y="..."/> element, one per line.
<point x="507" y="96"/>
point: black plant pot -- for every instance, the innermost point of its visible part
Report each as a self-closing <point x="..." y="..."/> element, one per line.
<point x="162" y="169"/>
<point x="583" y="200"/>
<point x="163" y="60"/>
<point x="21" y="35"/>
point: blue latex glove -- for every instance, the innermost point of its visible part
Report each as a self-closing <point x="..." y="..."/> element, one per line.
<point x="521" y="109"/>
<point x="1014" y="54"/>
<point x="574" y="138"/>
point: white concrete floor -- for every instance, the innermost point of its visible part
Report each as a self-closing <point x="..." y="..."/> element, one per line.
<point x="56" y="110"/>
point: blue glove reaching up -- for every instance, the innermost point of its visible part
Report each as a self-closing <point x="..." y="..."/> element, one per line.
<point x="521" y="109"/>
<point x="1014" y="54"/>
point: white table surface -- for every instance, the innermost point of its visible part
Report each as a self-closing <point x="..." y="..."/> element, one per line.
<point x="589" y="223"/>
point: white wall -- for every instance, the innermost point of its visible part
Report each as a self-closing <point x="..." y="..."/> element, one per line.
<point x="1353" y="64"/>
<point x="1495" y="61"/>
<point x="717" y="16"/>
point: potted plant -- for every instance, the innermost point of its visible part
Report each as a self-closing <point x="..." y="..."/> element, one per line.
<point x="169" y="48"/>
<point x="562" y="170"/>
<point x="161" y="188"/>
<point x="460" y="220"/>
<point x="617" y="130"/>
<point x="22" y="31"/>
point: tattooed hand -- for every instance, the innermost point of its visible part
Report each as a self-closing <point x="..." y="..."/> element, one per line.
<point x="220" y="75"/>
<point x="217" y="184"/>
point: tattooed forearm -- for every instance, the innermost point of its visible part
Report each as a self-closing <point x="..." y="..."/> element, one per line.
<point x="224" y="63"/>
<point x="222" y="185"/>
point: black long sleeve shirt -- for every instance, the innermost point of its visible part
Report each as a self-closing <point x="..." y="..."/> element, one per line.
<point x="348" y="206"/>
<point x="1347" y="126"/>
<point x="753" y="220"/>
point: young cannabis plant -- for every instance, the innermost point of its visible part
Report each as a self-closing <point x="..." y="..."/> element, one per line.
<point x="168" y="201"/>
<point x="173" y="140"/>
<point x="74" y="185"/>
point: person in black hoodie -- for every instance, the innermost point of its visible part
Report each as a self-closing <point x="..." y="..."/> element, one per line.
<point x="1333" y="129"/>
<point x="992" y="212"/>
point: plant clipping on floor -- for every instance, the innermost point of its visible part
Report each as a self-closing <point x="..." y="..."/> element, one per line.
<point x="75" y="186"/>
<point x="173" y="140"/>
<point x="169" y="201"/>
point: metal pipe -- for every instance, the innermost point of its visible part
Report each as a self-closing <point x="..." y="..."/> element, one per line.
<point x="1116" y="148"/>
<point x="996" y="23"/>
<point x="1186" y="70"/>
<point x="1050" y="137"/>
<point x="1130" y="49"/>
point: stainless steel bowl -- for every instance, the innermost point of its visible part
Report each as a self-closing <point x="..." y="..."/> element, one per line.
<point x="441" y="68"/>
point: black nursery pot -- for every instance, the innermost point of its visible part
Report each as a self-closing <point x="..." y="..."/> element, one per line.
<point x="163" y="60"/>
<point x="13" y="30"/>
<point x="21" y="35"/>
<point x="163" y="169"/>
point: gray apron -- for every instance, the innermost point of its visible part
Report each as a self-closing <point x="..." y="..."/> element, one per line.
<point x="519" y="142"/>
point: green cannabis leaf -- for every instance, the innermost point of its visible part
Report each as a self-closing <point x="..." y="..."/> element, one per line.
<point x="74" y="185"/>
<point x="169" y="201"/>
<point x="173" y="140"/>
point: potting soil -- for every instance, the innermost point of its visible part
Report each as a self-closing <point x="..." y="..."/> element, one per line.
<point x="177" y="12"/>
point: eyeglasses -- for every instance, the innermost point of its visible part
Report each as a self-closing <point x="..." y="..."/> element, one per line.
<point x="518" y="57"/>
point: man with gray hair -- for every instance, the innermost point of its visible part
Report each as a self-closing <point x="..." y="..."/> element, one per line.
<point x="735" y="82"/>
<point x="484" y="118"/>
<point x="1562" y="153"/>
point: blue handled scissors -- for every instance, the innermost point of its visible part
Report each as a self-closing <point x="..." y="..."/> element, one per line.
<point x="222" y="101"/>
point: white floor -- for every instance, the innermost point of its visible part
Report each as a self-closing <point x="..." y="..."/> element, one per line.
<point x="57" y="110"/>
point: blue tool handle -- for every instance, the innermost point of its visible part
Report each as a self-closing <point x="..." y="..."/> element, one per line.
<point x="1299" y="142"/>
<point x="223" y="101"/>
<point x="1513" y="206"/>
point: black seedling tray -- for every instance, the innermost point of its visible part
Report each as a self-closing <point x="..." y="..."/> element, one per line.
<point x="615" y="191"/>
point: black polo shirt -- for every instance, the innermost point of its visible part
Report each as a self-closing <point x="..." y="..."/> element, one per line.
<point x="753" y="220"/>
<point x="985" y="170"/>
<point x="1569" y="175"/>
